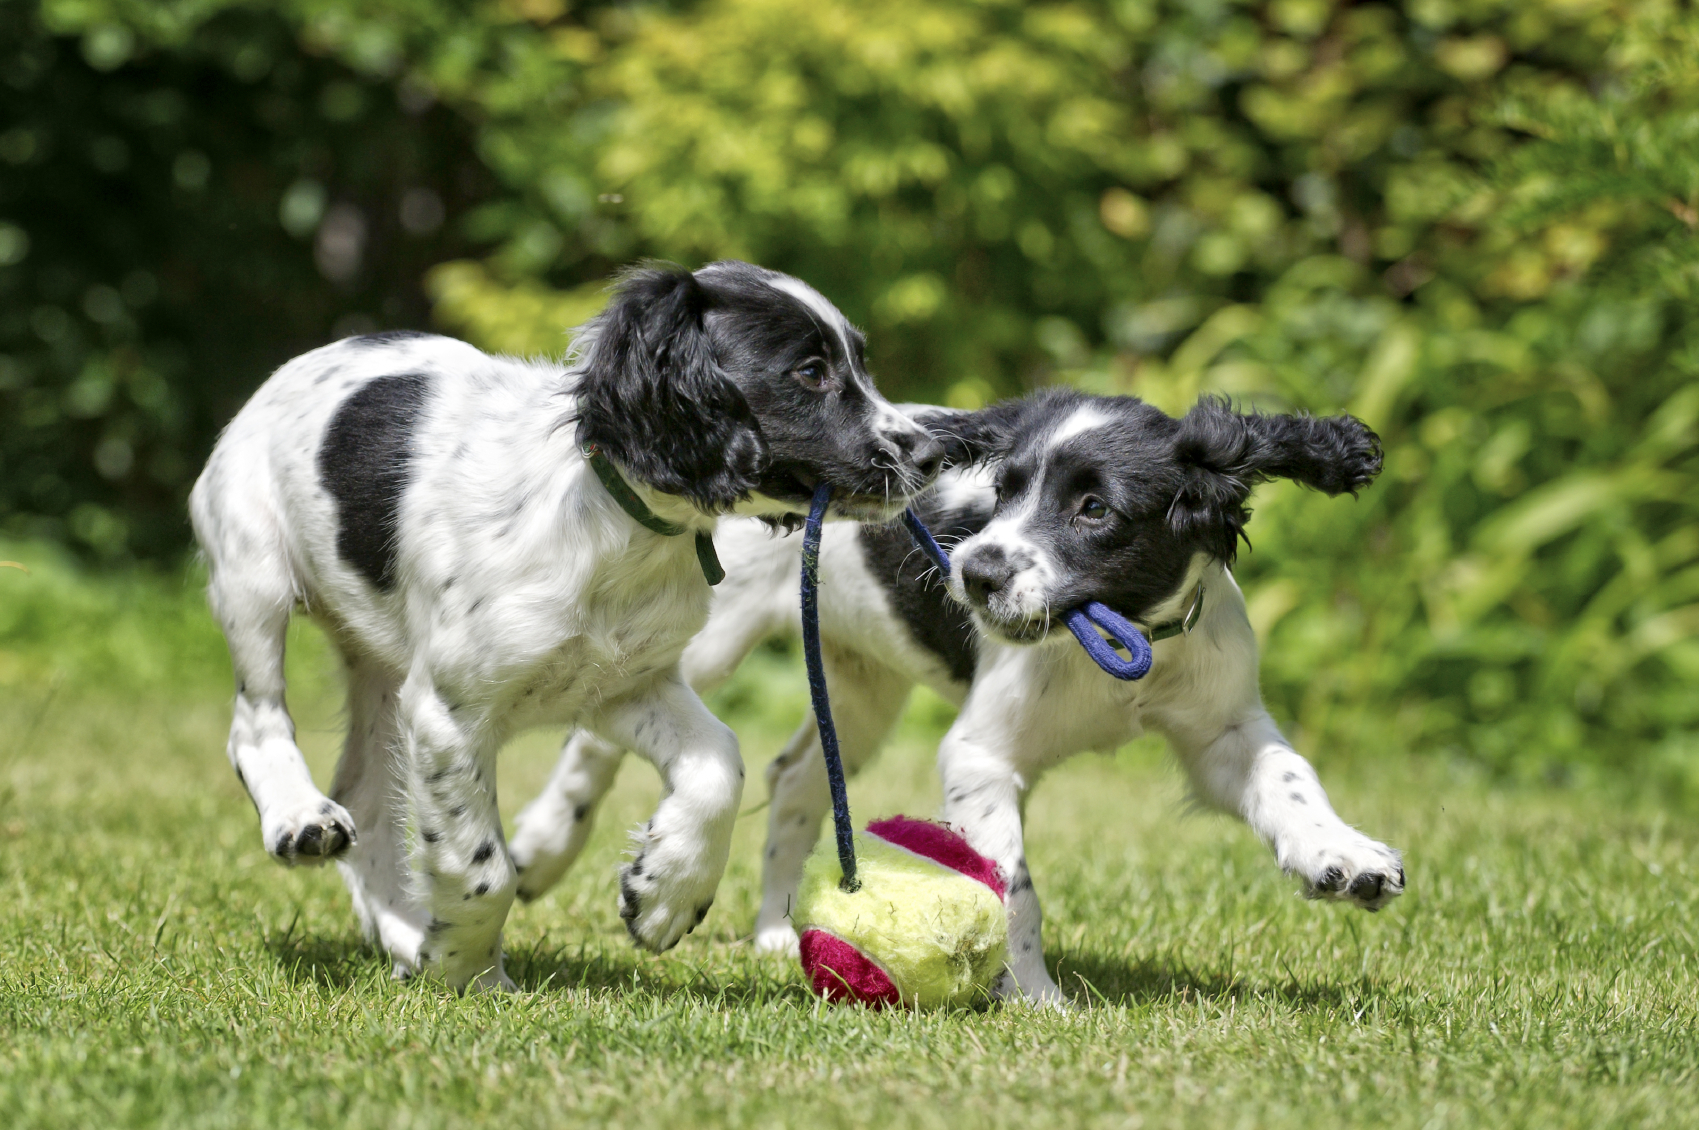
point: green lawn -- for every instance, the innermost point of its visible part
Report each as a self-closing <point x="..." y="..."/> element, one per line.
<point x="157" y="969"/>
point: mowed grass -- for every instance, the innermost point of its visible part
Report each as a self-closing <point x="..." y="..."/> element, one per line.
<point x="156" y="968"/>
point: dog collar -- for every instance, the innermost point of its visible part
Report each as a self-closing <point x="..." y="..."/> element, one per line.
<point x="1182" y="626"/>
<point x="640" y="513"/>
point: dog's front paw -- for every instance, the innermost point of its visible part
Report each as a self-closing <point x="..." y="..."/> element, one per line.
<point x="309" y="835"/>
<point x="1363" y="873"/>
<point x="659" y="908"/>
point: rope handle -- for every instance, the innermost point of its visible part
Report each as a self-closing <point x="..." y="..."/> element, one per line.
<point x="849" y="884"/>
<point x="1123" y="631"/>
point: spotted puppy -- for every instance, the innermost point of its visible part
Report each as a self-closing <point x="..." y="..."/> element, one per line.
<point x="1081" y="498"/>
<point x="440" y="512"/>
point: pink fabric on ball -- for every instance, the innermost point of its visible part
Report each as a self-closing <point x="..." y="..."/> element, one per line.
<point x="940" y="844"/>
<point x="839" y="971"/>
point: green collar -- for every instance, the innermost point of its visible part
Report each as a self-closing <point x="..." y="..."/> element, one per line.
<point x="1185" y="624"/>
<point x="643" y="516"/>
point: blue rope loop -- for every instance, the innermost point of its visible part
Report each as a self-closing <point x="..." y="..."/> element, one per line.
<point x="1083" y="622"/>
<point x="817" y="688"/>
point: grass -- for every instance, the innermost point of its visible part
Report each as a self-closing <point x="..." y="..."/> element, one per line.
<point x="157" y="969"/>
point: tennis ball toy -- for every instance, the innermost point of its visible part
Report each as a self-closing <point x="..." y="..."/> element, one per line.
<point x="926" y="929"/>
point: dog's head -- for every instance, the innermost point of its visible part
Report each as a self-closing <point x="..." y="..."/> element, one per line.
<point x="736" y="386"/>
<point x="1110" y="499"/>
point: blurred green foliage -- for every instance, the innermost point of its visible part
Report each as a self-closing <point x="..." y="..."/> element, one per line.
<point x="1469" y="221"/>
<point x="174" y="223"/>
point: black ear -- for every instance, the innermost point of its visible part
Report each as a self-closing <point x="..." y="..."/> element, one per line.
<point x="1222" y="454"/>
<point x="653" y="396"/>
<point x="969" y="436"/>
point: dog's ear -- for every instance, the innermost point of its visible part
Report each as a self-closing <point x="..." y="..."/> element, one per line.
<point x="653" y="396"/>
<point x="969" y="437"/>
<point x="1222" y="454"/>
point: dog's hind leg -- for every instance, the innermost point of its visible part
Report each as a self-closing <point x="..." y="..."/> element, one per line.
<point x="554" y="827"/>
<point x="298" y="823"/>
<point x="798" y="798"/>
<point x="867" y="698"/>
<point x="463" y="876"/>
<point x="369" y="783"/>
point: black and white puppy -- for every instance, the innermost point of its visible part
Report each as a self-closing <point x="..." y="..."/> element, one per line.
<point x="1081" y="498"/>
<point x="431" y="506"/>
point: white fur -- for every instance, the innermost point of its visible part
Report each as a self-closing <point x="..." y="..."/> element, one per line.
<point x="823" y="310"/>
<point x="1023" y="597"/>
<point x="1083" y="419"/>
<point x="526" y="597"/>
<point x="887" y="418"/>
<point x="1028" y="708"/>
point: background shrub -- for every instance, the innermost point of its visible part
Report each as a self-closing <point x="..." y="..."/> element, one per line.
<point x="1471" y="223"/>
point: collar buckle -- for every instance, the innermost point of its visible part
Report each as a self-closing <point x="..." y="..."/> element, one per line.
<point x="1182" y="626"/>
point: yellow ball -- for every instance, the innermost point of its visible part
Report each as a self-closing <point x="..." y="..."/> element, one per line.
<point x="919" y="932"/>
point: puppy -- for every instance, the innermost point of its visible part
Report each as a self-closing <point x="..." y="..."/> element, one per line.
<point x="1081" y="498"/>
<point x="439" y="512"/>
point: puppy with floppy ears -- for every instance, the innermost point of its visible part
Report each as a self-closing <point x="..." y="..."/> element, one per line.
<point x="489" y="544"/>
<point x="1079" y="498"/>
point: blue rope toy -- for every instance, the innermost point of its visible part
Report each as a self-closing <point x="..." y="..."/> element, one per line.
<point x="849" y="884"/>
<point x="1083" y="622"/>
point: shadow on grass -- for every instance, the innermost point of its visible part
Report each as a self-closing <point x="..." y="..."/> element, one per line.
<point x="334" y="962"/>
<point x="612" y="965"/>
<point x="1093" y="979"/>
<point x="593" y="966"/>
<point x="604" y="965"/>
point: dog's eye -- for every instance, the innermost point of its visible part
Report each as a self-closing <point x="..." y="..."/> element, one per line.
<point x="1094" y="510"/>
<point x="811" y="374"/>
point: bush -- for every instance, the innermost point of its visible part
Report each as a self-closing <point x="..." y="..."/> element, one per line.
<point x="1471" y="222"/>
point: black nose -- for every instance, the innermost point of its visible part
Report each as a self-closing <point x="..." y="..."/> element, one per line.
<point x="923" y="451"/>
<point x="986" y="573"/>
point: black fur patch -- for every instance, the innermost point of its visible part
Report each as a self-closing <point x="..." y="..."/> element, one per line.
<point x="1223" y="454"/>
<point x="917" y="594"/>
<point x="654" y="396"/>
<point x="1159" y="490"/>
<point x="365" y="464"/>
<point x="691" y="384"/>
<point x="969" y="437"/>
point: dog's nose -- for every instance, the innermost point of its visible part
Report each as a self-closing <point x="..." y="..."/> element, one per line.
<point x="924" y="451"/>
<point x="986" y="573"/>
<point x="918" y="448"/>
